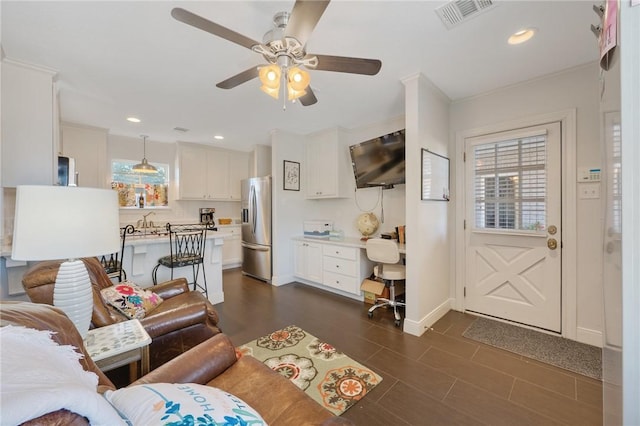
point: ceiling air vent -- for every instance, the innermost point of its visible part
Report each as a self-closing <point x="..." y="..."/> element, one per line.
<point x="457" y="11"/>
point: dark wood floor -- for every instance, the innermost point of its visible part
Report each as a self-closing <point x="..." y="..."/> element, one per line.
<point x="440" y="378"/>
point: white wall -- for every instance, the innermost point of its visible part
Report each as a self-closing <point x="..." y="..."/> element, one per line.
<point x="126" y="148"/>
<point x="428" y="240"/>
<point x="575" y="88"/>
<point x="630" y="111"/>
<point x="288" y="206"/>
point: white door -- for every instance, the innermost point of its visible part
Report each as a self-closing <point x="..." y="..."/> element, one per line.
<point x="513" y="234"/>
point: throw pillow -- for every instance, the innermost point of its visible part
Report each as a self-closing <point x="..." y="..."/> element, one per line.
<point x="130" y="299"/>
<point x="181" y="404"/>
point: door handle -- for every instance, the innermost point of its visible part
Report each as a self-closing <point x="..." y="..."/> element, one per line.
<point x="552" y="243"/>
<point x="552" y="230"/>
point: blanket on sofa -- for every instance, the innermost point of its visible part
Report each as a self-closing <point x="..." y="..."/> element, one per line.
<point x="39" y="376"/>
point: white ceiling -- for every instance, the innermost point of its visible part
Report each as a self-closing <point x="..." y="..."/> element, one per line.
<point x="117" y="59"/>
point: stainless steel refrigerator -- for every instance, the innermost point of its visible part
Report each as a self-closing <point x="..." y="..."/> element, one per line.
<point x="256" y="227"/>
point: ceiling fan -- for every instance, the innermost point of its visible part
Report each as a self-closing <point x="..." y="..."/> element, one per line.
<point x="283" y="48"/>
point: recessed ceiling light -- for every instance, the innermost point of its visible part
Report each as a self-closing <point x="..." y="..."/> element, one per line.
<point x="522" y="36"/>
<point x="218" y="137"/>
<point x="133" y="119"/>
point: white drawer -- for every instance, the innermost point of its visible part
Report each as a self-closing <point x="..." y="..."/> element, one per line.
<point x="341" y="282"/>
<point x="341" y="252"/>
<point x="340" y="266"/>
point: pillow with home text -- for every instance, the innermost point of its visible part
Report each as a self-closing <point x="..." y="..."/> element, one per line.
<point x="181" y="404"/>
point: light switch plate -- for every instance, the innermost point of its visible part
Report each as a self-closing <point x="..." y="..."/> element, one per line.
<point x="589" y="190"/>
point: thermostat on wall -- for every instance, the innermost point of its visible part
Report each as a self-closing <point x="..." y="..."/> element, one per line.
<point x="586" y="174"/>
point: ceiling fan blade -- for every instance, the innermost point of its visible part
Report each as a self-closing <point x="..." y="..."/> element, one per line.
<point x="238" y="79"/>
<point x="347" y="64"/>
<point x="308" y="98"/>
<point x="304" y="18"/>
<point x="194" y="20"/>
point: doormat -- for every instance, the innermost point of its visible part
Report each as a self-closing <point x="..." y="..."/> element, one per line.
<point x="560" y="352"/>
<point x="327" y="375"/>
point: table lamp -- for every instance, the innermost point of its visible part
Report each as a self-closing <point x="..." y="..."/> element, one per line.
<point x="64" y="222"/>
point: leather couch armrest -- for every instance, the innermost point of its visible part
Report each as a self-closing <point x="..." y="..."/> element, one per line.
<point x="171" y="288"/>
<point x="162" y="323"/>
<point x="199" y="364"/>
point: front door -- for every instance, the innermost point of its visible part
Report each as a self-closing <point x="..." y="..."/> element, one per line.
<point x="513" y="234"/>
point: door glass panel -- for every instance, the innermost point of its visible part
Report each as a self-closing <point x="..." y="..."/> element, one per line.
<point x="510" y="184"/>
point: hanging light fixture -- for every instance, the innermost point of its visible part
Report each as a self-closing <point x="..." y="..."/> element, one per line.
<point x="272" y="76"/>
<point x="144" y="166"/>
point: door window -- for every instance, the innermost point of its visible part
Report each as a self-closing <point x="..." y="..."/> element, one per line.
<point x="510" y="184"/>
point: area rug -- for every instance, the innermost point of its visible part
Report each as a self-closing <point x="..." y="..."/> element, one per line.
<point x="327" y="375"/>
<point x="558" y="351"/>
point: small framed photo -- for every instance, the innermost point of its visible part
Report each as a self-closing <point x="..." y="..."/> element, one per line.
<point x="291" y="176"/>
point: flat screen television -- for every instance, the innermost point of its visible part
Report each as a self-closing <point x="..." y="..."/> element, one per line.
<point x="379" y="161"/>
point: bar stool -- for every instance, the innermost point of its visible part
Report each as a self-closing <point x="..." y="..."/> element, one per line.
<point x="386" y="254"/>
<point x="112" y="263"/>
<point x="187" y="244"/>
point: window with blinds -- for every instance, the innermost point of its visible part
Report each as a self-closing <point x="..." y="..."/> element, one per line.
<point x="510" y="184"/>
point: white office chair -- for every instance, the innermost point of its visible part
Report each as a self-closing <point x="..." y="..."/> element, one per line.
<point x="386" y="254"/>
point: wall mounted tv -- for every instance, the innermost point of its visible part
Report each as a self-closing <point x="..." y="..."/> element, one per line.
<point x="379" y="161"/>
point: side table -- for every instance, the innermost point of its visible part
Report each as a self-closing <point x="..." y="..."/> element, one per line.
<point x="120" y="344"/>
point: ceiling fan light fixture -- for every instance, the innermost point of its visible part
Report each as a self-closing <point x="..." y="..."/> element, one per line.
<point x="271" y="91"/>
<point x="298" y="79"/>
<point x="270" y="76"/>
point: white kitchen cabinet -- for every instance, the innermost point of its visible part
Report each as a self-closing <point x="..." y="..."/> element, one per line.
<point x="334" y="265"/>
<point x="328" y="166"/>
<point x="342" y="268"/>
<point x="238" y="170"/>
<point x="232" y="248"/>
<point x="88" y="145"/>
<point x="210" y="174"/>
<point x="29" y="123"/>
<point x="308" y="261"/>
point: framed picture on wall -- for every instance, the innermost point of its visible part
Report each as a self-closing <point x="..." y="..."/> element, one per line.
<point x="435" y="176"/>
<point x="291" y="176"/>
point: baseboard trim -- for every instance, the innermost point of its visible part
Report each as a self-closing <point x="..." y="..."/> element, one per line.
<point x="282" y="280"/>
<point x="215" y="298"/>
<point x="417" y="328"/>
<point x="588" y="336"/>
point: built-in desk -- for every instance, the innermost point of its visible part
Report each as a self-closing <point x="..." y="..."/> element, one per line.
<point x="336" y="265"/>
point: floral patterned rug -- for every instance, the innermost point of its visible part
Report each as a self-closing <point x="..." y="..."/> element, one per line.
<point x="327" y="375"/>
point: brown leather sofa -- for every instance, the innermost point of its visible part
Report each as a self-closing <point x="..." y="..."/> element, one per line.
<point x="184" y="319"/>
<point x="212" y="363"/>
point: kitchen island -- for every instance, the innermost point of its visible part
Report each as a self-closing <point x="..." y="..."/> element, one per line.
<point x="141" y="254"/>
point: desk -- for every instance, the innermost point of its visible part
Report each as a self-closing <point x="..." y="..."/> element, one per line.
<point x="346" y="242"/>
<point x="119" y="344"/>
<point x="336" y="265"/>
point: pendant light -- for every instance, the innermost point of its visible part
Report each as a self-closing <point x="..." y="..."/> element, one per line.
<point x="144" y="166"/>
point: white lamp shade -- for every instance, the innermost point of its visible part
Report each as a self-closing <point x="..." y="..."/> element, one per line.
<point x="64" y="222"/>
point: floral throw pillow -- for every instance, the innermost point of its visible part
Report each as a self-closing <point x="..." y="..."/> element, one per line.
<point x="181" y="404"/>
<point x="130" y="299"/>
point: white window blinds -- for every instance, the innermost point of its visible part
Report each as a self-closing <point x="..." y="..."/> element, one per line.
<point x="510" y="184"/>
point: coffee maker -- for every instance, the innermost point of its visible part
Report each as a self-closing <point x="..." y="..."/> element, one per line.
<point x="207" y="218"/>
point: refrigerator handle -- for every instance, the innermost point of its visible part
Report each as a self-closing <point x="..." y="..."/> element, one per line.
<point x="253" y="247"/>
<point x="255" y="210"/>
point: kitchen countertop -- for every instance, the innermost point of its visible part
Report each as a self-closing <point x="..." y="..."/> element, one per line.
<point x="137" y="239"/>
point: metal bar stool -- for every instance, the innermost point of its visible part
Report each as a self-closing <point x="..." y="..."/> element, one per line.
<point x="187" y="244"/>
<point x="112" y="263"/>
